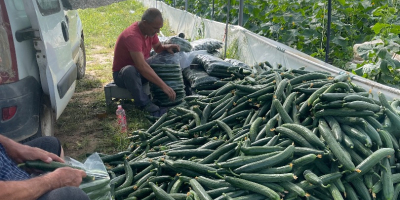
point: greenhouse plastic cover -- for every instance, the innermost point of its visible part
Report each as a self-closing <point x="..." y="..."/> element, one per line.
<point x="254" y="48"/>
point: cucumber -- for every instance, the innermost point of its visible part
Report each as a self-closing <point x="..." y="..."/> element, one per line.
<point x="160" y="193"/>
<point x="343" y="112"/>
<point x="243" y="160"/>
<point x="335" y="146"/>
<point x="211" y="183"/>
<point x="282" y="113"/>
<point x="335" y="127"/>
<point x="335" y="192"/>
<point x="197" y="167"/>
<point x="254" y="187"/>
<point x="190" y="152"/>
<point x="306" y="133"/>
<point x="267" y="162"/>
<point x="94" y="185"/>
<point x="313" y="178"/>
<point x="129" y="175"/>
<point x="355" y="133"/>
<point x="199" y="190"/>
<point x="362" y="105"/>
<point x="386" y="178"/>
<point x="304" y="160"/>
<point x="370" y="162"/>
<point x="290" y="186"/>
<point x="307" y="77"/>
<point x="257" y="150"/>
<point x="217" y="153"/>
<point x="219" y="191"/>
<point x="225" y="127"/>
<point x="262" y="178"/>
<point x="254" y="129"/>
<point x="361" y="189"/>
<point x="297" y="138"/>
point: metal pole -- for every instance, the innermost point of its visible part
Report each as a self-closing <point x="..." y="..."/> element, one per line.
<point x="328" y="32"/>
<point x="186" y="5"/>
<point x="226" y="28"/>
<point x="212" y="13"/>
<point x="240" y="12"/>
<point x="173" y="3"/>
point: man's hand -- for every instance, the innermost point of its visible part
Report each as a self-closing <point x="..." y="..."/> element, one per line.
<point x="20" y="152"/>
<point x="67" y="176"/>
<point x="170" y="92"/>
<point x="172" y="48"/>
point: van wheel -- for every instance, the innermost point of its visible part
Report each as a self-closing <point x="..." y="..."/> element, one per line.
<point x="81" y="64"/>
<point x="46" y="117"/>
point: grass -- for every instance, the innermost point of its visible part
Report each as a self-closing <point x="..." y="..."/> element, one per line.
<point x="87" y="124"/>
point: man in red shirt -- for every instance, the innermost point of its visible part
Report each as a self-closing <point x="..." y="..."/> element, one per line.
<point x="130" y="69"/>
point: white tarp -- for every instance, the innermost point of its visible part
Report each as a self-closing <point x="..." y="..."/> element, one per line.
<point x="254" y="48"/>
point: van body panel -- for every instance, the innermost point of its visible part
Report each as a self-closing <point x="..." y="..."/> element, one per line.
<point x="38" y="71"/>
<point x="53" y="47"/>
<point x="25" y="95"/>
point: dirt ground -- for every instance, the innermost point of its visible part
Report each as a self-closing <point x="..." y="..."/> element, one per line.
<point x="81" y="128"/>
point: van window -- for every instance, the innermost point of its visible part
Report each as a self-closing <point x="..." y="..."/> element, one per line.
<point x="48" y="7"/>
<point x="19" y="5"/>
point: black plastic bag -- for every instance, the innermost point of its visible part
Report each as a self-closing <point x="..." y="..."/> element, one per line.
<point x="166" y="66"/>
<point x="209" y="44"/>
<point x="199" y="79"/>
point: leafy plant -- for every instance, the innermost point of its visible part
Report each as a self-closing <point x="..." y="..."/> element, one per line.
<point x="302" y="25"/>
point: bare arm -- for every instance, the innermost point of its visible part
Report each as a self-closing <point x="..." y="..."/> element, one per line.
<point x="171" y="48"/>
<point x="35" y="187"/>
<point x="147" y="72"/>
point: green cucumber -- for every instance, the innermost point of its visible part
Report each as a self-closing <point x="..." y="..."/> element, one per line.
<point x="290" y="186"/>
<point x="199" y="190"/>
<point x="370" y="162"/>
<point x="306" y="133"/>
<point x="335" y="127"/>
<point x="254" y="187"/>
<point x="362" y="105"/>
<point x="129" y="175"/>
<point x="160" y="193"/>
<point x="282" y="113"/>
<point x="386" y="178"/>
<point x="334" y="145"/>
<point x="217" y="153"/>
<point x="267" y="162"/>
<point x="239" y="161"/>
<point x="343" y="112"/>
<point x="297" y="138"/>
<point x="262" y="178"/>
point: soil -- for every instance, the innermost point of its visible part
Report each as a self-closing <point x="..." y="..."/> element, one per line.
<point x="80" y="128"/>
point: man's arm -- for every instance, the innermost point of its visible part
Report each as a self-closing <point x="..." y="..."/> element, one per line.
<point x="171" y="48"/>
<point x="147" y="72"/>
<point x="35" y="187"/>
<point x="20" y="153"/>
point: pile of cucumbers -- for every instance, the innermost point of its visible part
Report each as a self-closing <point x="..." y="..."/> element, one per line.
<point x="280" y="134"/>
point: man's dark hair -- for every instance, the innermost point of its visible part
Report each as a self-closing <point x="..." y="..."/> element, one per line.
<point x="150" y="14"/>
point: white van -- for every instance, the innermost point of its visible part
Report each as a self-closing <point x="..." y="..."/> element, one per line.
<point x="42" y="54"/>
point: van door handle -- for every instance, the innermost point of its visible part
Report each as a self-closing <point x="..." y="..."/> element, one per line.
<point x="64" y="29"/>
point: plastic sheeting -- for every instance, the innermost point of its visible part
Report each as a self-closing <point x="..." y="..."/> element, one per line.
<point x="253" y="48"/>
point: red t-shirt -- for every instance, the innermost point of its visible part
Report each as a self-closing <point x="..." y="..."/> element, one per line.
<point x="131" y="39"/>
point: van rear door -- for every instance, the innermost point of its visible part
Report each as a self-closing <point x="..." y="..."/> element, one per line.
<point x="53" y="51"/>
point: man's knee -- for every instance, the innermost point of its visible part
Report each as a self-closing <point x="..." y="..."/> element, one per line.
<point x="47" y="143"/>
<point x="65" y="193"/>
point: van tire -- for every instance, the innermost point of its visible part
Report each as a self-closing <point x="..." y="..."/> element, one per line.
<point x="46" y="117"/>
<point x="81" y="64"/>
